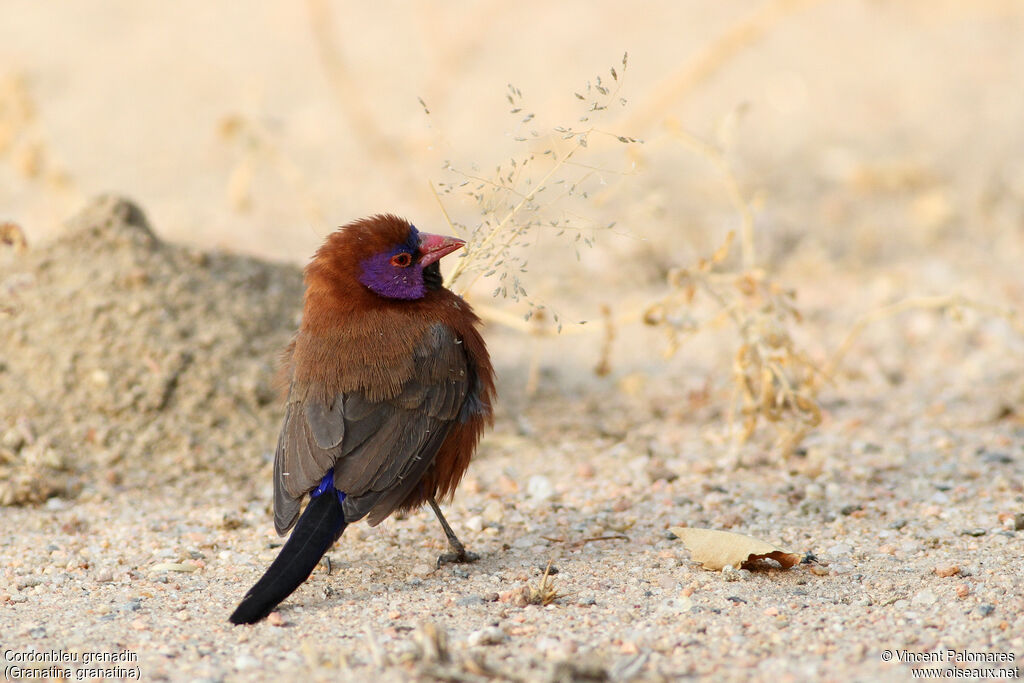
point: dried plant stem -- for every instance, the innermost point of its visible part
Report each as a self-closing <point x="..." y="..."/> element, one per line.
<point x="946" y="301"/>
<point x="515" y="321"/>
<point x="447" y="218"/>
<point x="580" y="542"/>
<point x="732" y="186"/>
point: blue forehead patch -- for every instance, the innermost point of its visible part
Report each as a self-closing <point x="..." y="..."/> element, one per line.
<point x="414" y="238"/>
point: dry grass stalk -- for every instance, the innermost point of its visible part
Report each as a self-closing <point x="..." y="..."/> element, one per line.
<point x="772" y="378"/>
<point x="533" y="191"/>
<point x="13" y="236"/>
<point x="604" y="364"/>
<point x="579" y="543"/>
<point x="22" y="142"/>
<point x="544" y="593"/>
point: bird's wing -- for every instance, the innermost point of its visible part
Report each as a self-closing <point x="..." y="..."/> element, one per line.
<point x="379" y="449"/>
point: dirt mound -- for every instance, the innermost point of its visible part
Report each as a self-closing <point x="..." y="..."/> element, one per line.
<point x="127" y="361"/>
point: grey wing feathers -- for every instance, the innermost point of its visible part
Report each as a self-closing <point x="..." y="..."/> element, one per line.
<point x="299" y="465"/>
<point x="379" y="450"/>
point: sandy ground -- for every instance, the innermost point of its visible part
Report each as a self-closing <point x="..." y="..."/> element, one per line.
<point x="880" y="157"/>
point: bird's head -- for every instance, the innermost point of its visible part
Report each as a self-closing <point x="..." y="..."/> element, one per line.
<point x="386" y="255"/>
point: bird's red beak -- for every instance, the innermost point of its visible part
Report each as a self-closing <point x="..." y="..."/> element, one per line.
<point x="433" y="247"/>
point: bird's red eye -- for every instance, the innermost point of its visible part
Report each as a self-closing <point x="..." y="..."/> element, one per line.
<point x="401" y="260"/>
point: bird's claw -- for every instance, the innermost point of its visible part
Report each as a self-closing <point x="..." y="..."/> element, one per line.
<point x="459" y="556"/>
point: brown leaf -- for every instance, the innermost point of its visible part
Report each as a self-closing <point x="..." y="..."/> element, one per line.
<point x="716" y="549"/>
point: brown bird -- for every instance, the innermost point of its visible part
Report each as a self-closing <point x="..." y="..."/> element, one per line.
<point x="389" y="390"/>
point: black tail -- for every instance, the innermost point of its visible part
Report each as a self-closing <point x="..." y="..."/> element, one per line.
<point x="316" y="531"/>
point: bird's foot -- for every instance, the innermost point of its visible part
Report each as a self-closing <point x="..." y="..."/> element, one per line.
<point x="457" y="556"/>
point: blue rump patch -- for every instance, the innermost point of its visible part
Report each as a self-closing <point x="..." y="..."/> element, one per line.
<point x="326" y="484"/>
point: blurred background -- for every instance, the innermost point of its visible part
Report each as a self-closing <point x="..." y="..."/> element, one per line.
<point x="874" y="149"/>
<point x="261" y="126"/>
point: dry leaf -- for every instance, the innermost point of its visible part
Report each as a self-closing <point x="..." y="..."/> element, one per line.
<point x="716" y="549"/>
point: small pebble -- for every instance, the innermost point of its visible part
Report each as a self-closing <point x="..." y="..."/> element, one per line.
<point x="12" y="439"/>
<point x="585" y="470"/>
<point x="493" y="513"/>
<point x="814" y="492"/>
<point x="492" y="635"/>
<point x="947" y="570"/>
<point x="729" y="573"/>
<point x="275" y="619"/>
<point x="56" y="504"/>
<point x="997" y="458"/>
<point x="422" y="570"/>
<point x="925" y="597"/>
<point x="985" y="609"/>
<point x="246" y="662"/>
<point x="540" y="488"/>
<point x="840" y="549"/>
<point x="974" y="532"/>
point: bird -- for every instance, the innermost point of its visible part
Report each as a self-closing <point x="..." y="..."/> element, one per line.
<point x="389" y="390"/>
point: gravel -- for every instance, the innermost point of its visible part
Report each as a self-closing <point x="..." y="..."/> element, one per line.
<point x="140" y="490"/>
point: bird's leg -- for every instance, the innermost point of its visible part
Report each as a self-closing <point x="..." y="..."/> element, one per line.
<point x="458" y="553"/>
